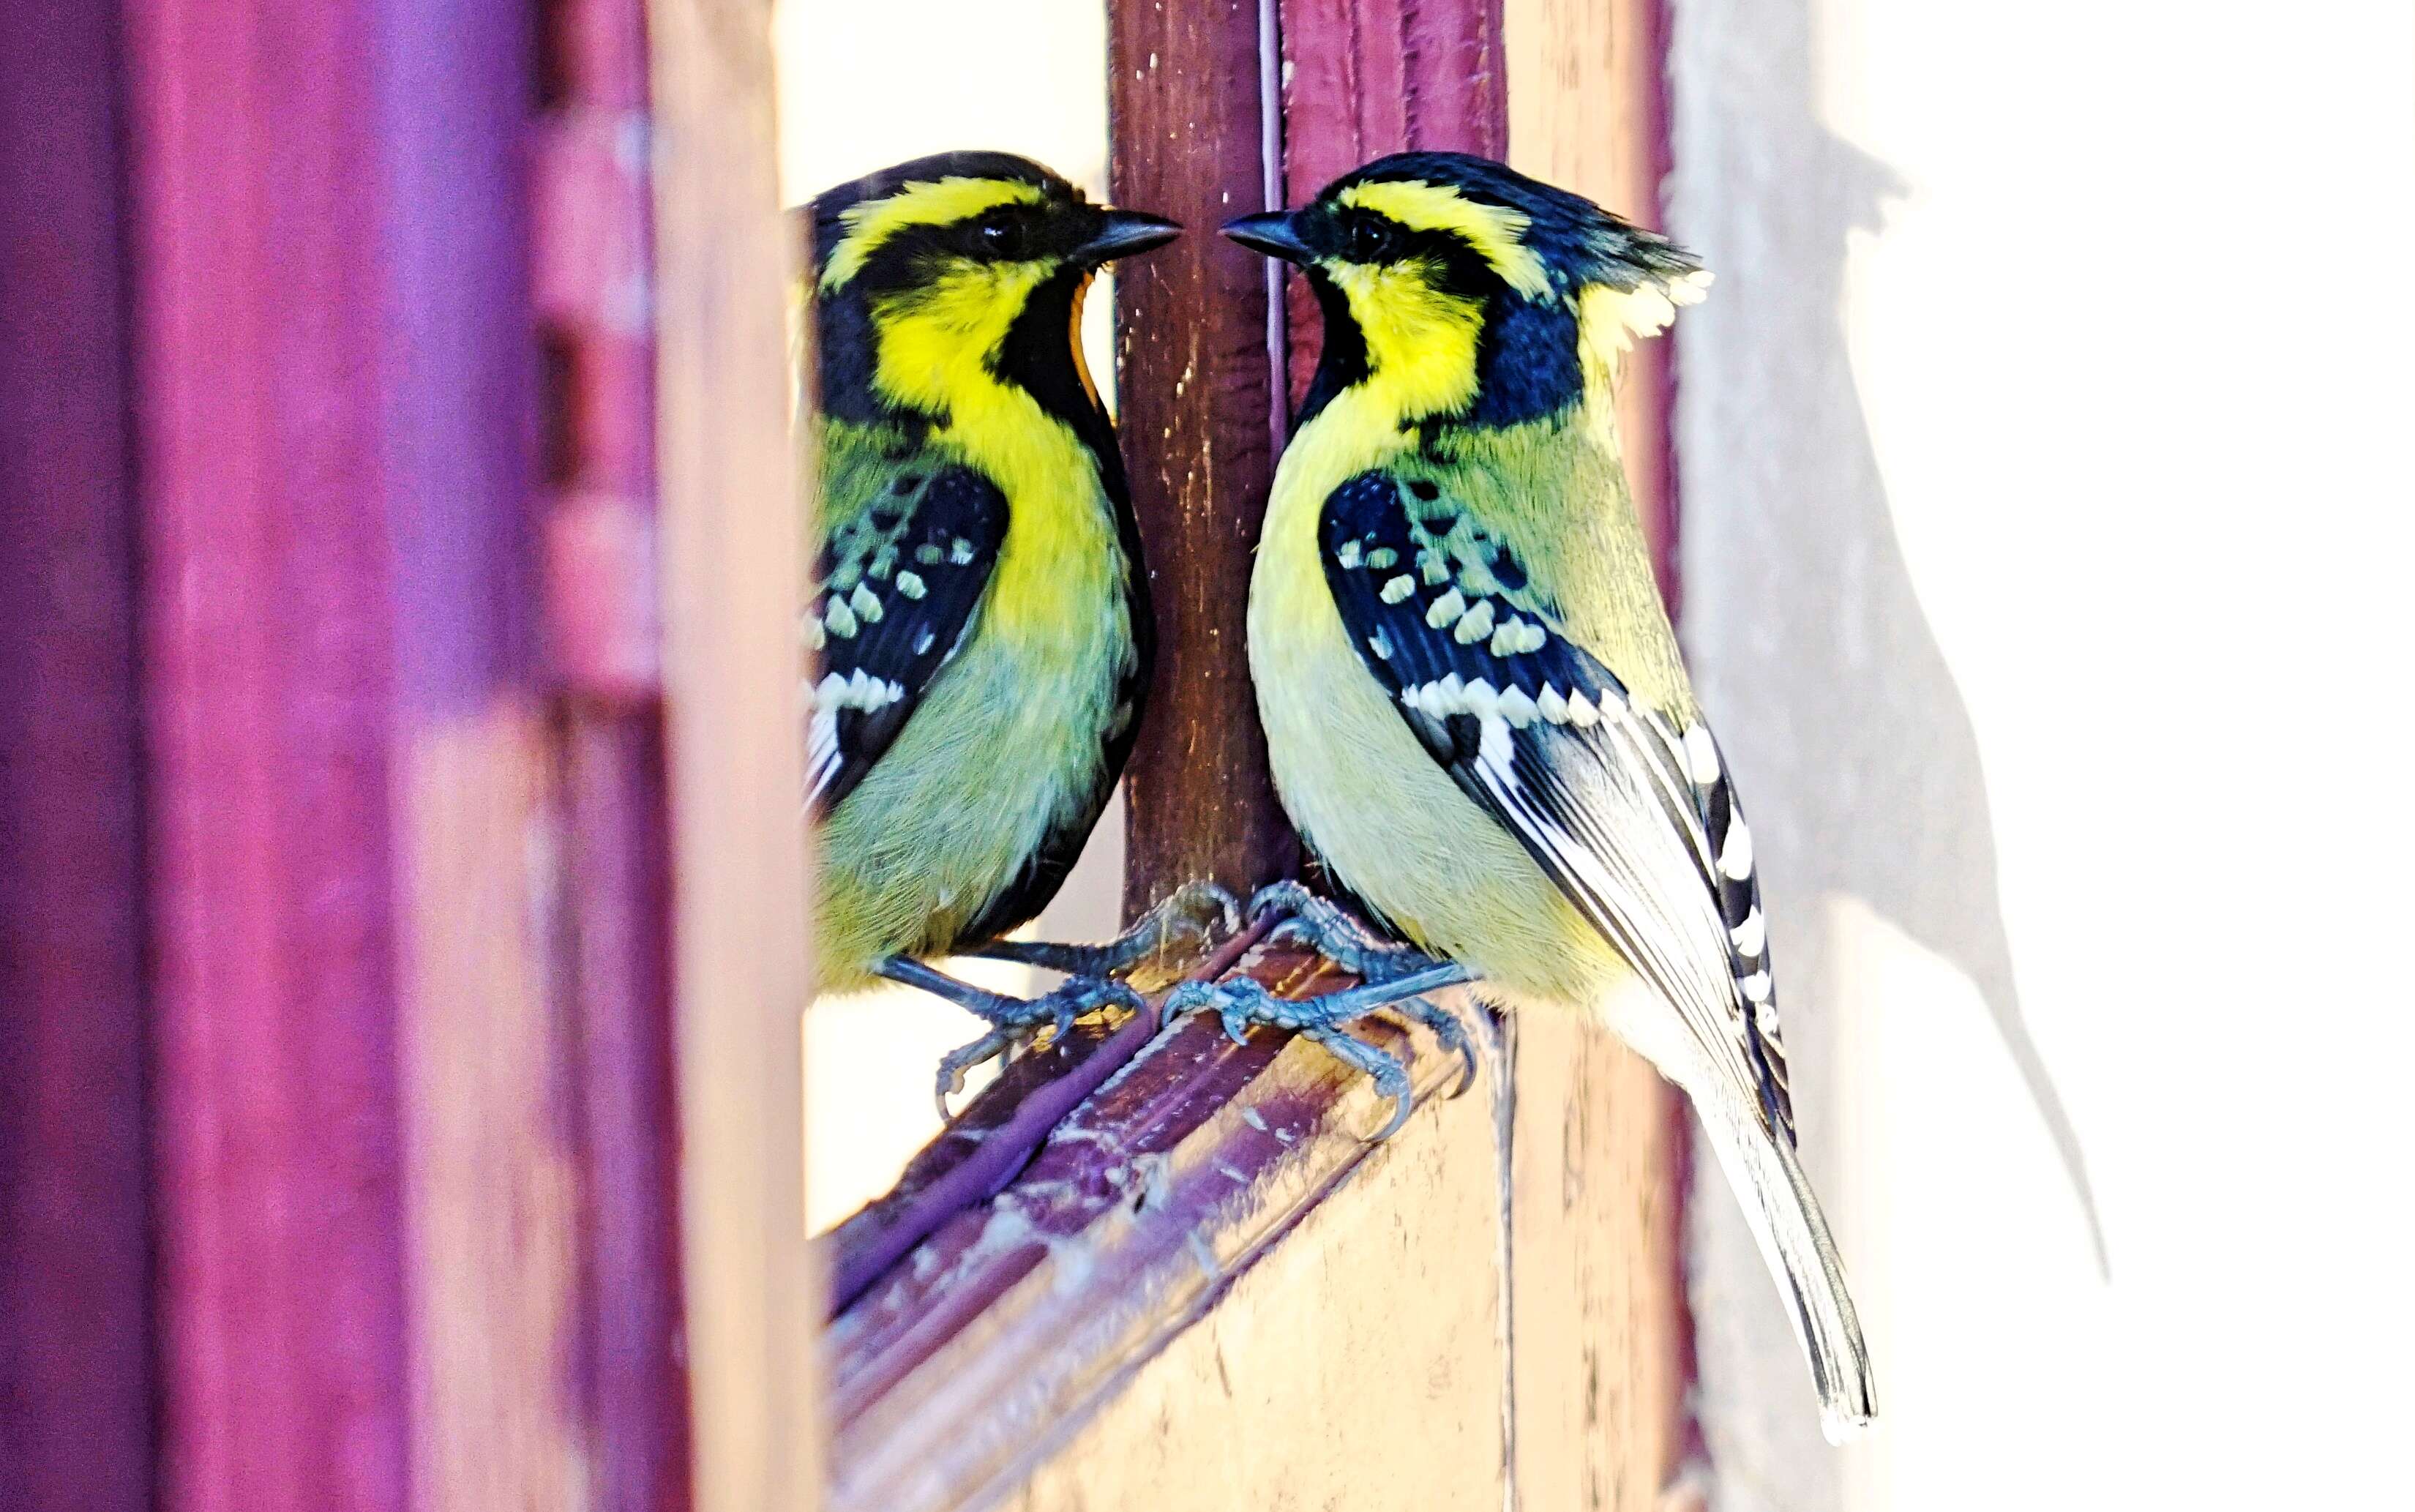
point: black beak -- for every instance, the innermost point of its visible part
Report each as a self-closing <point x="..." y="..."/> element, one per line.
<point x="1271" y="233"/>
<point x="1124" y="232"/>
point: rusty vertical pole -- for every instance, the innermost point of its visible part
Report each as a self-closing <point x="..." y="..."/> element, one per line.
<point x="1198" y="386"/>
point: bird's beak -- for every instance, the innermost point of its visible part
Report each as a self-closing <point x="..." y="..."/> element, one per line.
<point x="1124" y="232"/>
<point x="1271" y="233"/>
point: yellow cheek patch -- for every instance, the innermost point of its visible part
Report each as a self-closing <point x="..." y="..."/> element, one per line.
<point x="1421" y="343"/>
<point x="933" y="341"/>
<point x="940" y="203"/>
<point x="1496" y="230"/>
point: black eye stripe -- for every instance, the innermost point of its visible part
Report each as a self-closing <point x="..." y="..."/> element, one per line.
<point x="1451" y="262"/>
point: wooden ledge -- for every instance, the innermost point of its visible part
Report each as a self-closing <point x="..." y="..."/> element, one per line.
<point x="975" y="1351"/>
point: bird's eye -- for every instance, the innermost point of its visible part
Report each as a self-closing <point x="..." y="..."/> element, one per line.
<point x="1369" y="240"/>
<point x="1002" y="239"/>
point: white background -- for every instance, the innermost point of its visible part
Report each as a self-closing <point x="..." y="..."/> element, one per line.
<point x="2046" y="482"/>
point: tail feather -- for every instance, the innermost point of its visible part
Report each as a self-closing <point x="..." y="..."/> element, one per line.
<point x="1793" y="1237"/>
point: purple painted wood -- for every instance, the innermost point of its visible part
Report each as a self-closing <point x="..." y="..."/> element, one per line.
<point x="1169" y="1181"/>
<point x="75" y="1388"/>
<point x="411" y="1074"/>
<point x="602" y="612"/>
<point x="635" y="1381"/>
<point x="271" y="656"/>
<point x="983" y="1148"/>
<point x="1363" y="78"/>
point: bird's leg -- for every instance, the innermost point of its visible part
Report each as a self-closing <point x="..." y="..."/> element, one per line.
<point x="1014" y="1021"/>
<point x="1198" y="912"/>
<point x="1241" y="1001"/>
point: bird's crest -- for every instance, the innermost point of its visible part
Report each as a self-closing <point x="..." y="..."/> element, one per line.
<point x="1540" y="240"/>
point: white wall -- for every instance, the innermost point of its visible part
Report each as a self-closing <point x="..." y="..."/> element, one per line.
<point x="2043" y="452"/>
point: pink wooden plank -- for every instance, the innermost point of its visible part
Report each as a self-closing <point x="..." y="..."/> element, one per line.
<point x="74" y="1306"/>
<point x="397" y="1130"/>
<point x="619" y="977"/>
<point x="595" y="302"/>
<point x="270" y="656"/>
<point x="1364" y="78"/>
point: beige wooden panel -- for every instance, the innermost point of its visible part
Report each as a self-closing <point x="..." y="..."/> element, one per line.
<point x="1598" y="1138"/>
<point x="1595" y="1285"/>
<point x="732" y="582"/>
<point x="1357" y="1364"/>
<point x="494" y="1190"/>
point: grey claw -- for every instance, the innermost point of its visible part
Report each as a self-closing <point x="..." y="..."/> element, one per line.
<point x="1228" y="907"/>
<point x="1057" y="1009"/>
<point x="954" y="1065"/>
<point x="1242" y="1001"/>
<point x="1182" y="908"/>
<point x="1391" y="1077"/>
<point x="1287" y="895"/>
<point x="1449" y="1033"/>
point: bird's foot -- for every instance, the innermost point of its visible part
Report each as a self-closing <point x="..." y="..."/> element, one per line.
<point x="1014" y="1022"/>
<point x="1187" y="924"/>
<point x="1017" y="1023"/>
<point x="1329" y="929"/>
<point x="1241" y="1001"/>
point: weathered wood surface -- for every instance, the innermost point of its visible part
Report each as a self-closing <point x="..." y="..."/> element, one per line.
<point x="1599" y="1139"/>
<point x="971" y="1375"/>
<point x="990" y="1142"/>
<point x="75" y="1381"/>
<point x="1199" y="417"/>
<point x="733" y="554"/>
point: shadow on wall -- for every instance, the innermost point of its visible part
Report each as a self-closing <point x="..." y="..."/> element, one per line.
<point x="1803" y="611"/>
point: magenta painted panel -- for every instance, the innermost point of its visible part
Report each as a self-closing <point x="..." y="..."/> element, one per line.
<point x="75" y="1388"/>
<point x="1364" y="78"/>
<point x="261" y="289"/>
<point x="619" y="977"/>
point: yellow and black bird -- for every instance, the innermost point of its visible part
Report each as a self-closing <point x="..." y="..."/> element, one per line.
<point x="982" y="619"/>
<point x="1472" y="696"/>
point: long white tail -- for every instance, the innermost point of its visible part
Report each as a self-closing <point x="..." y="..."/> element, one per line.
<point x="1794" y="1237"/>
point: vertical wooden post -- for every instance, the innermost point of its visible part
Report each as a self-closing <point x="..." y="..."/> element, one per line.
<point x="75" y="1381"/>
<point x="1196" y="345"/>
<point x="733" y="585"/>
<point x="1597" y="1139"/>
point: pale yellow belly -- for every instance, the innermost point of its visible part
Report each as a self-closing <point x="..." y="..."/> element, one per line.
<point x="1389" y="819"/>
<point x="999" y="752"/>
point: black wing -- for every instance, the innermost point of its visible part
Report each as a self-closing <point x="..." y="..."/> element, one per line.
<point x="901" y="580"/>
<point x="1631" y="816"/>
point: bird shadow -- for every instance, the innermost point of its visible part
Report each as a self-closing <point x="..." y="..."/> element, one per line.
<point x="1856" y="718"/>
